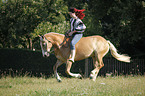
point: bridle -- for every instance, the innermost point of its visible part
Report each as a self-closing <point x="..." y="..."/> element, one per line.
<point x="64" y="42"/>
<point x="52" y="48"/>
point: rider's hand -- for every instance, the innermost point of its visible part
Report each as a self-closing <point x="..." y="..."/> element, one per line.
<point x="71" y="33"/>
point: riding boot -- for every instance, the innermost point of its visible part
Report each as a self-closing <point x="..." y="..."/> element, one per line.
<point x="72" y="56"/>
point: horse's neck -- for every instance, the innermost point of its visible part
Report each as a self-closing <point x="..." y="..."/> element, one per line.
<point x="60" y="50"/>
<point x="56" y="39"/>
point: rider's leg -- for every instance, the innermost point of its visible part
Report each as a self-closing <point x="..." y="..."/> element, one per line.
<point x="75" y="39"/>
<point x="72" y="56"/>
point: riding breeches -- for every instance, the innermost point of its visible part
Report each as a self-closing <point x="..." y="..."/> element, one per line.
<point x="75" y="39"/>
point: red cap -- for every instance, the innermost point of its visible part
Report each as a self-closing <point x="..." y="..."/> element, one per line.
<point x="79" y="13"/>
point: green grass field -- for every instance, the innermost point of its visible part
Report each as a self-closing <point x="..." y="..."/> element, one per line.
<point x="110" y="86"/>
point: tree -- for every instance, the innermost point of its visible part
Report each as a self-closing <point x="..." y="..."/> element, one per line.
<point x="121" y="22"/>
<point x="19" y="18"/>
<point x="124" y="25"/>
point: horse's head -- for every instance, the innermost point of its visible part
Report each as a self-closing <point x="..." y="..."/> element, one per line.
<point x="46" y="45"/>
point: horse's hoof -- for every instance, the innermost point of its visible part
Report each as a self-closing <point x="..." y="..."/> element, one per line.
<point x="80" y="77"/>
<point x="59" y="80"/>
<point x="91" y="77"/>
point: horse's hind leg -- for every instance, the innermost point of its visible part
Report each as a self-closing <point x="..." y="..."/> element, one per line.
<point x="94" y="72"/>
<point x="68" y="67"/>
<point x="98" y="64"/>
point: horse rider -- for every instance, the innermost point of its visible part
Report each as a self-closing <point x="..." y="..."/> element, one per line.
<point x="77" y="29"/>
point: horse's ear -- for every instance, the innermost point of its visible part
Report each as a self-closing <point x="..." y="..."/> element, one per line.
<point x="41" y="36"/>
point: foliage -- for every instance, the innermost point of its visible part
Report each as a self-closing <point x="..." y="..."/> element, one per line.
<point x="32" y="62"/>
<point x="19" y="18"/>
<point x="122" y="22"/>
<point x="46" y="27"/>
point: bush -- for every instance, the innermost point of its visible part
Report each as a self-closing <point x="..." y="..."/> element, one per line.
<point x="22" y="61"/>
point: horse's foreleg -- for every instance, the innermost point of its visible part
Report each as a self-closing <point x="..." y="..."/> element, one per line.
<point x="58" y="63"/>
<point x="68" y="67"/>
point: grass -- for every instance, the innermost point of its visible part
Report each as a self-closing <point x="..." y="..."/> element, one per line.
<point x="109" y="86"/>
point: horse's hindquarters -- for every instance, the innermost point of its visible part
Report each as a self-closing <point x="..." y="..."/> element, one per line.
<point x="84" y="48"/>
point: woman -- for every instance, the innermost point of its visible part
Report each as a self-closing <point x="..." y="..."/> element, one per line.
<point x="77" y="29"/>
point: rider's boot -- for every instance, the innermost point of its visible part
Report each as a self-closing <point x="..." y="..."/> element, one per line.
<point x="72" y="55"/>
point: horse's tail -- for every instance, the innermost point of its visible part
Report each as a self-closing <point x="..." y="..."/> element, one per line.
<point x="119" y="57"/>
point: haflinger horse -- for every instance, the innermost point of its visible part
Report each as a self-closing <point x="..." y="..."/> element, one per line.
<point x="92" y="46"/>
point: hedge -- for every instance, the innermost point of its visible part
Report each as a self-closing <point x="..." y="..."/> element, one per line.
<point x="22" y="62"/>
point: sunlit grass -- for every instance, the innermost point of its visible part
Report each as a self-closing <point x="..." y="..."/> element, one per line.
<point x="110" y="86"/>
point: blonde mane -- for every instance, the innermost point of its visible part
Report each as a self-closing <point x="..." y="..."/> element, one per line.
<point x="56" y="34"/>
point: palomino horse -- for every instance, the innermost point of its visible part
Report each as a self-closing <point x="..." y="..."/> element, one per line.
<point x="92" y="46"/>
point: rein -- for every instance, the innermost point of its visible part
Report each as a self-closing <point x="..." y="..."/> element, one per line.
<point x="65" y="41"/>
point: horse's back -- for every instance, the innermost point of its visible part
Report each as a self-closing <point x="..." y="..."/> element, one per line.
<point x="87" y="45"/>
<point x="92" y="41"/>
<point x="95" y="37"/>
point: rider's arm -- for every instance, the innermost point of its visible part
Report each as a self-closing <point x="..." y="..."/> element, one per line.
<point x="70" y="34"/>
